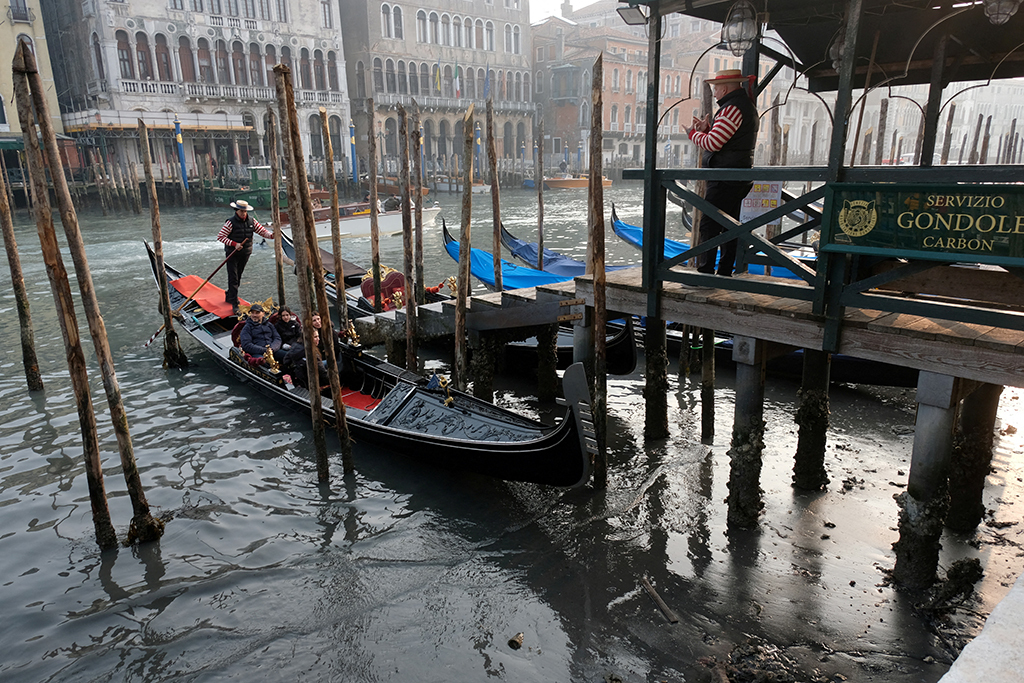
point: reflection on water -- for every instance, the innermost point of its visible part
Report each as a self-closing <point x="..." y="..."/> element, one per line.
<point x="401" y="572"/>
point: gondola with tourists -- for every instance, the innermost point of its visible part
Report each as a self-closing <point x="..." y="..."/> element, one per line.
<point x="401" y="411"/>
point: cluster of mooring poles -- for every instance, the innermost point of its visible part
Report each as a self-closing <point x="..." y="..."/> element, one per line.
<point x="34" y="117"/>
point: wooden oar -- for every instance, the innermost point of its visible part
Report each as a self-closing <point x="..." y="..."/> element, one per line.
<point x="185" y="303"/>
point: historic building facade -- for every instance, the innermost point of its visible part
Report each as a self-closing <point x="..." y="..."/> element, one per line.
<point x="444" y="55"/>
<point x="209" y="62"/>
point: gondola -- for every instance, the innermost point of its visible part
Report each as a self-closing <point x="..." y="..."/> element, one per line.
<point x="554" y="262"/>
<point x="400" y="411"/>
<point x="620" y="347"/>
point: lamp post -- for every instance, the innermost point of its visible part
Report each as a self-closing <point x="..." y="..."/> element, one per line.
<point x="477" y="174"/>
<point x="352" y="147"/>
<point x="579" y="155"/>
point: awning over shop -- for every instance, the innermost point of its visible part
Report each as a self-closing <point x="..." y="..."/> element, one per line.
<point x="11" y="142"/>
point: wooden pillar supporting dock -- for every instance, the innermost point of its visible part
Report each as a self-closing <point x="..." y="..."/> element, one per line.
<point x="812" y="420"/>
<point x="744" y="499"/>
<point x="547" y="362"/>
<point x="972" y="457"/>
<point x="656" y="386"/>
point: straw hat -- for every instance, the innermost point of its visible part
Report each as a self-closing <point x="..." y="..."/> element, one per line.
<point x="241" y="205"/>
<point x="727" y="76"/>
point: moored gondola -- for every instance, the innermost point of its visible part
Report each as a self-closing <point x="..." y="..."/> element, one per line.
<point x="397" y="409"/>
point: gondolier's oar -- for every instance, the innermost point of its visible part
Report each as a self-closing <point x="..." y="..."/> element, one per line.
<point x="185" y="303"/>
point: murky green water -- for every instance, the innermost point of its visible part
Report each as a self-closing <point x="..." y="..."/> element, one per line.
<point x="405" y="573"/>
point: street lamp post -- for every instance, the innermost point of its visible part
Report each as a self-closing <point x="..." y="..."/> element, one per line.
<point x="352" y="147"/>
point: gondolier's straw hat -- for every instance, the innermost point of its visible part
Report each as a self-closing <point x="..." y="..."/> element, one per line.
<point x="241" y="205"/>
<point x="727" y="76"/>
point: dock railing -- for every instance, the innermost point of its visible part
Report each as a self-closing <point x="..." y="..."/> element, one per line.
<point x="944" y="243"/>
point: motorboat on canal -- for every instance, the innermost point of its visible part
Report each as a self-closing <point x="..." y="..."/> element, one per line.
<point x="358" y="224"/>
<point x="403" y="412"/>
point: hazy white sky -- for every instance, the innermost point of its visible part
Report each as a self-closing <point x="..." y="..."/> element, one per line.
<point x="540" y="9"/>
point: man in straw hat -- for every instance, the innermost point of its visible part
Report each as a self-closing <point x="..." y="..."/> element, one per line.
<point x="727" y="141"/>
<point x="237" y="238"/>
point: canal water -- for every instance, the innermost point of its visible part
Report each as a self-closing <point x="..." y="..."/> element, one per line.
<point x="406" y="573"/>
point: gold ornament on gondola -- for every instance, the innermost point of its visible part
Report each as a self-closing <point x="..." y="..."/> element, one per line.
<point x="452" y="285"/>
<point x="269" y="361"/>
<point x="397" y="299"/>
<point x="268" y="307"/>
<point x="353" y="336"/>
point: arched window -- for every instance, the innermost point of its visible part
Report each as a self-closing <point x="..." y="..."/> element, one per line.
<point x="332" y="71"/>
<point x="489" y="36"/>
<point x="221" y="57"/>
<point x="435" y="28"/>
<point x="429" y="143"/>
<point x="508" y="38"/>
<point x="443" y="135"/>
<point x="425" y="80"/>
<point x="360" y="80"/>
<point x="255" y="65"/>
<point x="678" y="85"/>
<point x="304" y="70"/>
<point x="391" y="137"/>
<point x="481" y="83"/>
<point x="403" y="79"/>
<point x="584" y="121"/>
<point x="540" y="82"/>
<point x="396" y="13"/>
<point x="286" y="59"/>
<point x="421" y="27"/>
<point x="446" y="30"/>
<point x="319" y="75"/>
<point x="516" y="43"/>
<point x="467" y="29"/>
<point x="327" y="13"/>
<point x="507" y="141"/>
<point x="519" y="88"/>
<point x="414" y="79"/>
<point x="457" y="32"/>
<point x="378" y="75"/>
<point x="626" y="117"/>
<point x="270" y="60"/>
<point x="527" y="93"/>
<point x="385" y="22"/>
<point x="188" y="64"/>
<point x="448" y="88"/>
<point x="615" y="117"/>
<point x="316" y="137"/>
<point x="478" y="39"/>
<point x="334" y="125"/>
<point x="144" y="57"/>
<point x="468" y="83"/>
<point x="436" y="81"/>
<point x="629" y="80"/>
<point x="615" y="80"/>
<point x="238" y="63"/>
<point x="124" y="55"/>
<point x="163" y="59"/>
<point x="98" y="56"/>
<point x="389" y="73"/>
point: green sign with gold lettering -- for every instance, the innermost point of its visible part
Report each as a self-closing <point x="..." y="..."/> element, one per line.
<point x="980" y="223"/>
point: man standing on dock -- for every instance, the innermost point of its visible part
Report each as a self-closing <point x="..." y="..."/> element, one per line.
<point x="727" y="141"/>
<point x="237" y="238"/>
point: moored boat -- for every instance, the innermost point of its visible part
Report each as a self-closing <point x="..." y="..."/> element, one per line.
<point x="572" y="182"/>
<point x="405" y="413"/>
<point x="358" y="224"/>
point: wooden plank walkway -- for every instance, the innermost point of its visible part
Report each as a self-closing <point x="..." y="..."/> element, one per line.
<point x="976" y="352"/>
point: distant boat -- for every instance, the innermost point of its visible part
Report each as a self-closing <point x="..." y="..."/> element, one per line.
<point x="390" y="186"/>
<point x="445" y="184"/>
<point x="358" y="224"/>
<point x="571" y="182"/>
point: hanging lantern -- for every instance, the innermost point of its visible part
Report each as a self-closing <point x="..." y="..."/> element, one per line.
<point x="739" y="31"/>
<point x="1000" y="11"/>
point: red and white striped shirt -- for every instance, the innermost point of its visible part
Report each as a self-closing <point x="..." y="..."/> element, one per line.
<point x="225" y="233"/>
<point x="725" y="125"/>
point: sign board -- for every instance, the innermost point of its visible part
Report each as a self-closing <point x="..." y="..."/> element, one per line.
<point x="975" y="223"/>
<point x="762" y="198"/>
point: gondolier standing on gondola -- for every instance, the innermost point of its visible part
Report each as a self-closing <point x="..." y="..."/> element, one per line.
<point x="727" y="141"/>
<point x="237" y="238"/>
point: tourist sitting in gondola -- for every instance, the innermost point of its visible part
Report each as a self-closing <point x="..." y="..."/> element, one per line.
<point x="294" y="365"/>
<point x="258" y="334"/>
<point x="288" y="326"/>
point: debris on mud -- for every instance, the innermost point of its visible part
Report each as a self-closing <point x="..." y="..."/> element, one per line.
<point x="757" y="661"/>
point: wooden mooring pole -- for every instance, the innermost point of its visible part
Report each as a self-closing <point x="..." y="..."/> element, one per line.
<point x="28" y="344"/>
<point x="461" y="370"/>
<point x="417" y="186"/>
<point x="404" y="178"/>
<point x="275" y="202"/>
<point x="374" y="228"/>
<point x="106" y="537"/>
<point x="972" y="457"/>
<point x="492" y="162"/>
<point x="538" y="180"/>
<point x="707" y="386"/>
<point x="595" y="209"/>
<point x="174" y="357"/>
<point x="144" y="527"/>
<point x="340" y="300"/>
<point x="296" y="212"/>
<point x="747" y="445"/>
<point x="812" y="421"/>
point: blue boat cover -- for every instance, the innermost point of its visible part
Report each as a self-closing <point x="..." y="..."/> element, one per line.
<point x="554" y="262"/>
<point x="634" y="235"/>
<point x="481" y="265"/>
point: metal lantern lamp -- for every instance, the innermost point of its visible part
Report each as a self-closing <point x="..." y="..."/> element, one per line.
<point x="1000" y="11"/>
<point x="739" y="31"/>
<point x="835" y="51"/>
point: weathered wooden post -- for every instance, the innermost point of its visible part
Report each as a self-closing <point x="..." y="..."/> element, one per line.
<point x="61" y="288"/>
<point x="297" y="215"/>
<point x="883" y="116"/>
<point x="747" y="434"/>
<point x="461" y="370"/>
<point x="492" y="162"/>
<point x="407" y="240"/>
<point x="595" y="265"/>
<point x="417" y="186"/>
<point x="812" y="421"/>
<point x="972" y="457"/>
<point x="538" y="180"/>
<point x="174" y="357"/>
<point x="923" y="506"/>
<point x="133" y="171"/>
<point x="144" y="527"/>
<point x="707" y="386"/>
<point x="340" y="302"/>
<point x="983" y="155"/>
<point x="275" y="202"/>
<point x="973" y="158"/>
<point x="947" y="139"/>
<point x="28" y="344"/>
<point x="374" y="228"/>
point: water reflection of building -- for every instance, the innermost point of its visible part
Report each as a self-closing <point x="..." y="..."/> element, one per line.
<point x="208" y="61"/>
<point x="444" y="57"/>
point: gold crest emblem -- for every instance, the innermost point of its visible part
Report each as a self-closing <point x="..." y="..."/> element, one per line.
<point x="857" y="218"/>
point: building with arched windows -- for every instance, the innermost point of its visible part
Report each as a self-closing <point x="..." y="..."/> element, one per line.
<point x="209" y="62"/>
<point x="444" y="55"/>
<point x="23" y="21"/>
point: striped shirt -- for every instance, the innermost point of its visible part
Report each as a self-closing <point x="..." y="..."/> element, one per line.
<point x="225" y="233"/>
<point x="725" y="125"/>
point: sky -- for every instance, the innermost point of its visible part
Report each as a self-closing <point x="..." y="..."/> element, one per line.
<point x="541" y="9"/>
